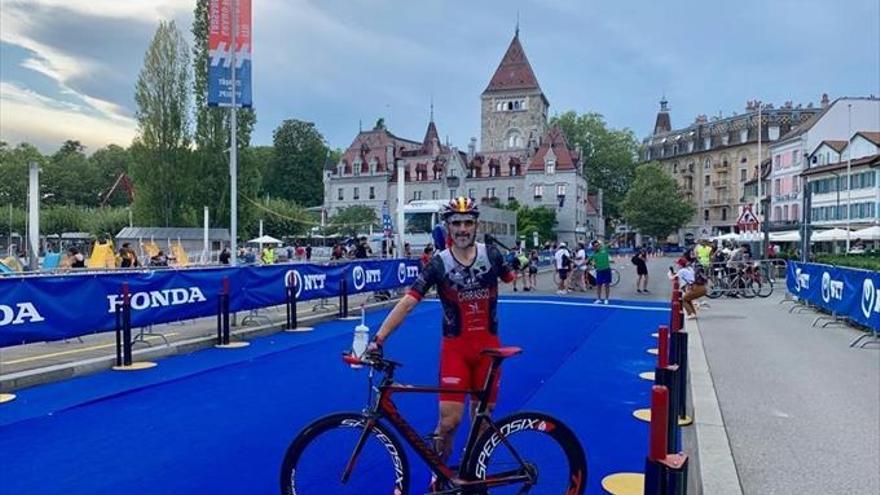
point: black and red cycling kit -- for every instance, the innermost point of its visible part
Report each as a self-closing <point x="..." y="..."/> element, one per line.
<point x="469" y="295"/>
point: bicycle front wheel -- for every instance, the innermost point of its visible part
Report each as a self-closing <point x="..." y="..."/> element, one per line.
<point x="615" y="277"/>
<point x="317" y="458"/>
<point x="534" y="446"/>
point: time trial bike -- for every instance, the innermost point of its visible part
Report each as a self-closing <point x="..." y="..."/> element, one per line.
<point x="357" y="452"/>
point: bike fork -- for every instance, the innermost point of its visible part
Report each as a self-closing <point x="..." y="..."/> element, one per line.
<point x="349" y="467"/>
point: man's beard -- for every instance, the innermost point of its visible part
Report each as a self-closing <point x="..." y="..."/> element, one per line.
<point x="464" y="240"/>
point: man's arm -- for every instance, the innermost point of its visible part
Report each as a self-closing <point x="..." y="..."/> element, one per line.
<point x="396" y="317"/>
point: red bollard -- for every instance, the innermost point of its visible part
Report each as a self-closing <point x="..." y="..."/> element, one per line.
<point x="663" y="348"/>
<point x="665" y="474"/>
<point x="659" y="417"/>
<point x="675" y="319"/>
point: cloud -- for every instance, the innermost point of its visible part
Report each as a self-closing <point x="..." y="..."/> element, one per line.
<point x="46" y="123"/>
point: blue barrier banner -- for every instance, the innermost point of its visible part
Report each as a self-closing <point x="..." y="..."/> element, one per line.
<point x="42" y="308"/>
<point x="847" y="292"/>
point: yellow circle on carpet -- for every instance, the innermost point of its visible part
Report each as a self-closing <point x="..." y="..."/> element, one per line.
<point x="643" y="414"/>
<point x="6" y="398"/>
<point x="299" y="329"/>
<point x="653" y="351"/>
<point x="233" y="345"/>
<point x="647" y="375"/>
<point x="685" y="421"/>
<point x="624" y="484"/>
<point x="137" y="366"/>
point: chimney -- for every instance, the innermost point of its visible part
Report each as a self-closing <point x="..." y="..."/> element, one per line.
<point x="824" y="100"/>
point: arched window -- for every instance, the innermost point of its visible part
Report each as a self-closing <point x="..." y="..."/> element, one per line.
<point x="514" y="139"/>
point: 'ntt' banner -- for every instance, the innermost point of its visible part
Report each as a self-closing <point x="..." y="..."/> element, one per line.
<point x="220" y="27"/>
<point x="43" y="308"/>
<point x="847" y="292"/>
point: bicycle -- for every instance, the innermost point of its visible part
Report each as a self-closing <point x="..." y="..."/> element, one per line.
<point x="615" y="277"/>
<point x="319" y="462"/>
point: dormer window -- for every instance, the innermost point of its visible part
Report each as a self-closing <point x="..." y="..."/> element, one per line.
<point x="357" y="166"/>
<point x="550" y="166"/>
<point x="707" y="143"/>
<point x="743" y="135"/>
<point x="373" y="163"/>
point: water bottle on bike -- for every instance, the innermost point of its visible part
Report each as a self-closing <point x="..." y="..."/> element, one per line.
<point x="361" y="339"/>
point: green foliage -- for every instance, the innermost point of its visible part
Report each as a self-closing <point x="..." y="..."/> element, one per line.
<point x="106" y="220"/>
<point x="654" y="206"/>
<point x="107" y="163"/>
<point x="609" y="155"/>
<point x="529" y="220"/>
<point x="14" y="170"/>
<point x="862" y="261"/>
<point x="59" y="219"/>
<point x="162" y="161"/>
<point x="353" y="220"/>
<point x="284" y="218"/>
<point x="299" y="159"/>
<point x="18" y="218"/>
<point x="68" y="178"/>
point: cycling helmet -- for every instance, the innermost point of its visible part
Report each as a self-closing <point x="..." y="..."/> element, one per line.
<point x="460" y="206"/>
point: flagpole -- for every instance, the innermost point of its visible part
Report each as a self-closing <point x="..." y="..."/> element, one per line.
<point x="233" y="148"/>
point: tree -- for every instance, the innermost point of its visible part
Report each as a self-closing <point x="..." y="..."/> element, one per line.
<point x="300" y="153"/>
<point x="530" y="220"/>
<point x="162" y="94"/>
<point x="654" y="205"/>
<point x="107" y="163"/>
<point x="68" y="178"/>
<point x="609" y="155"/>
<point x="14" y="165"/>
<point x="353" y="220"/>
<point x="284" y="218"/>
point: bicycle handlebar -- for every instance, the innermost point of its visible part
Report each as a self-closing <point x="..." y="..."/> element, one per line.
<point x="375" y="362"/>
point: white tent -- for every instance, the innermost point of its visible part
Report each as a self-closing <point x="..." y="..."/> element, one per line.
<point x="266" y="239"/>
<point x="788" y="236"/>
<point x="830" y="235"/>
<point x="725" y="237"/>
<point x="868" y="234"/>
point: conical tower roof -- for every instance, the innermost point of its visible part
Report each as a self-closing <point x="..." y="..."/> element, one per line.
<point x="514" y="71"/>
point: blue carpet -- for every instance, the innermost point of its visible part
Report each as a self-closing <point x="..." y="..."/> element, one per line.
<point x="219" y="421"/>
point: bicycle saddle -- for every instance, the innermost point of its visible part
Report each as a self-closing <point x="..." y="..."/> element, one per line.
<point x="502" y="352"/>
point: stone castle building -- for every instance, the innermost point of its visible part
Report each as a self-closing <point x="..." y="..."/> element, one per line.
<point x="520" y="158"/>
<point x="713" y="159"/>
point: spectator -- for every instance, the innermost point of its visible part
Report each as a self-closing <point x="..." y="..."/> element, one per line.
<point x="76" y="259"/>
<point x="300" y="253"/>
<point x="602" y="262"/>
<point x="692" y="284"/>
<point x="439" y="236"/>
<point x="640" y="260"/>
<point x="249" y="257"/>
<point x="580" y="264"/>
<point x="563" y="265"/>
<point x="308" y="252"/>
<point x="268" y="255"/>
<point x="427" y="253"/>
<point x="224" y="256"/>
<point x="338" y="252"/>
<point x="407" y="250"/>
<point x="362" y="249"/>
<point x="289" y="252"/>
<point x="533" y="269"/>
<point x="127" y="256"/>
<point x="159" y="259"/>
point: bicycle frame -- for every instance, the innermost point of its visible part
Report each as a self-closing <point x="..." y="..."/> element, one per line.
<point x="385" y="408"/>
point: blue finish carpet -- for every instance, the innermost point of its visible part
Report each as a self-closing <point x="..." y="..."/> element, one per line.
<point x="219" y="421"/>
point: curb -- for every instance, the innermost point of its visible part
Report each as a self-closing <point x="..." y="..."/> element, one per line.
<point x="716" y="467"/>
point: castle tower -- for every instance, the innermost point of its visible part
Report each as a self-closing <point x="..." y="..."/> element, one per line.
<point x="513" y="105"/>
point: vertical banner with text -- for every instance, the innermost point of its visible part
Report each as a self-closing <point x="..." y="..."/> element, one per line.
<point x="220" y="27"/>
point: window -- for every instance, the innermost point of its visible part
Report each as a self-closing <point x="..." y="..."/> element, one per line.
<point x="560" y="189"/>
<point x="340" y="194"/>
<point x="451" y="193"/>
<point x="743" y="173"/>
<point x="777" y="213"/>
<point x="776" y="160"/>
<point x="357" y="193"/>
<point x="794" y="158"/>
<point x="705" y="215"/>
<point x="539" y="191"/>
<point x="417" y="195"/>
<point x="795" y="213"/>
<point x="777" y="185"/>
<point x="723" y="213"/>
<point x="706" y="163"/>
<point x="511" y="193"/>
<point x="357" y="167"/>
<point x="785" y="212"/>
<point x="675" y="167"/>
<point x="472" y="193"/>
<point x="490" y="192"/>
<point x="372" y="192"/>
<point x="434" y="194"/>
<point x="705" y="180"/>
<point x="551" y="167"/>
<point x="437" y="173"/>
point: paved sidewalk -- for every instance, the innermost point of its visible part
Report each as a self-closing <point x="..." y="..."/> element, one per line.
<point x="801" y="409"/>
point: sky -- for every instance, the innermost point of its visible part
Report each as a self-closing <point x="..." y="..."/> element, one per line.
<point x="68" y="67"/>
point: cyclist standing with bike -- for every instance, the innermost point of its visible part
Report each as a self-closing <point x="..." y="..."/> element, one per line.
<point x="466" y="276"/>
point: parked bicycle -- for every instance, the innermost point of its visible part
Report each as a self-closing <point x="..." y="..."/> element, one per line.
<point x="747" y="281"/>
<point x="357" y="452"/>
<point x="569" y="283"/>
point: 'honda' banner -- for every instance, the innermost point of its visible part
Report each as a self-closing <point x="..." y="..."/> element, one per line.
<point x="42" y="308"/>
<point x="847" y="292"/>
<point x="220" y="45"/>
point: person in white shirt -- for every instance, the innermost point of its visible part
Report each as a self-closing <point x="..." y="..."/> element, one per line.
<point x="693" y="285"/>
<point x="562" y="257"/>
<point x="580" y="268"/>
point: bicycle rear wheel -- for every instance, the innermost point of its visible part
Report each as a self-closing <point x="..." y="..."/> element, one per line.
<point x="765" y="285"/>
<point x="615" y="277"/>
<point x="714" y="287"/>
<point x="316" y="459"/>
<point x="551" y="453"/>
